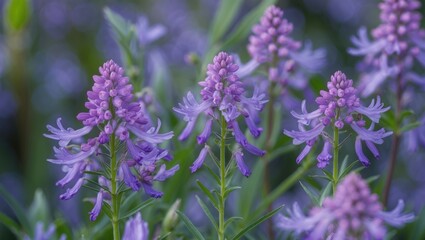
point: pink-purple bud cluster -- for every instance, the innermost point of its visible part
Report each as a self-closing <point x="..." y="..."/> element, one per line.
<point x="113" y="110"/>
<point x="352" y="213"/>
<point x="271" y="37"/>
<point x="222" y="95"/>
<point x="338" y="107"/>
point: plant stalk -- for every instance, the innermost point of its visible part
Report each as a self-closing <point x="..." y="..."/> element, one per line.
<point x="335" y="154"/>
<point x="114" y="193"/>
<point x="221" y="228"/>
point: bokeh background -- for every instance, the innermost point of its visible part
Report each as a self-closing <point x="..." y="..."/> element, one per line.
<point x="46" y="67"/>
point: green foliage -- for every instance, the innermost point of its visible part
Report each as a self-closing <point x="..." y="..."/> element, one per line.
<point x="195" y="232"/>
<point x="223" y="18"/>
<point x="17" y="14"/>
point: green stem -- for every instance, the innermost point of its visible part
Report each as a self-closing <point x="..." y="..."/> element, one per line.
<point x="221" y="228"/>
<point x="335" y="155"/>
<point x="114" y="193"/>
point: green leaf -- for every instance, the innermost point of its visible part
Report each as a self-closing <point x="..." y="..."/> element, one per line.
<point x="224" y="16"/>
<point x="120" y="26"/>
<point x="372" y="179"/>
<point x="165" y="236"/>
<point x="229" y="190"/>
<point x="190" y="226"/>
<point x="244" y="28"/>
<point x="328" y="175"/>
<point x="17" y="209"/>
<point x="207" y="212"/>
<point x="250" y="189"/>
<point x="344" y="172"/>
<point x="410" y="126"/>
<point x="208" y="193"/>
<point x="388" y="120"/>
<point x="10" y="224"/>
<point x="343" y="165"/>
<point x="17" y="14"/>
<point x="326" y="192"/>
<point x="255" y="223"/>
<point x="144" y="204"/>
<point x="232" y="219"/>
<point x="313" y="196"/>
<point x="39" y="210"/>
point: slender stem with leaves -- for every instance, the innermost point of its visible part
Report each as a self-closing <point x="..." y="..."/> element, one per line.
<point x="222" y="165"/>
<point x="114" y="190"/>
<point x="335" y="155"/>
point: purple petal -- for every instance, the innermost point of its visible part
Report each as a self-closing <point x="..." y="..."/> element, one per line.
<point x="71" y="173"/>
<point x="150" y="191"/>
<point x="306" y="117"/>
<point x="373" y="111"/>
<point x="200" y="160"/>
<point x="358" y="147"/>
<point x="128" y="177"/>
<point x="63" y="156"/>
<point x="241" y="164"/>
<point x="136" y="228"/>
<point x="164" y="174"/>
<point x="152" y="135"/>
<point x="364" y="46"/>
<point x="70" y="192"/>
<point x="203" y="137"/>
<point x="94" y="213"/>
<point x="190" y="109"/>
<point x="369" y="134"/>
<point x="303" y="153"/>
<point x="66" y="135"/>
<point x="373" y="149"/>
<point x="395" y="218"/>
<point x="255" y="131"/>
<point x="324" y="157"/>
<point x="303" y="136"/>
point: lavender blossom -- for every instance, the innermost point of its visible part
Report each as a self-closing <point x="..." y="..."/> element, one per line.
<point x="287" y="61"/>
<point x="339" y="106"/>
<point x="40" y="234"/>
<point x="222" y="94"/>
<point x="352" y="213"/>
<point x="136" y="228"/>
<point x="397" y="42"/>
<point x="112" y="110"/>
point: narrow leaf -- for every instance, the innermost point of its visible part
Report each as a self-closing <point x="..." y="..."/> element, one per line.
<point x="207" y="212"/>
<point x="190" y="226"/>
<point x="144" y="204"/>
<point x="17" y="209"/>
<point x="255" y="223"/>
<point x="232" y="219"/>
<point x="224" y="16"/>
<point x="208" y="193"/>
<point x="313" y="196"/>
<point x="10" y="224"/>
<point x="325" y="193"/>
<point x="229" y="190"/>
<point x="410" y="126"/>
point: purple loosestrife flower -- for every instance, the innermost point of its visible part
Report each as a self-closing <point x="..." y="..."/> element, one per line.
<point x="271" y="44"/>
<point x="352" y="213"/>
<point x="136" y="228"/>
<point x="40" y="234"/>
<point x="339" y="106"/>
<point x="222" y="94"/>
<point x="397" y="42"/>
<point x="112" y="110"/>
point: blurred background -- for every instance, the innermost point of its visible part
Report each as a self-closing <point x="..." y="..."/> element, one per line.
<point x="49" y="50"/>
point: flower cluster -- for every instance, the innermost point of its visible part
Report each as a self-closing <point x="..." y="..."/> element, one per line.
<point x="338" y="107"/>
<point x="352" y="213"/>
<point x="271" y="43"/>
<point x="112" y="110"/>
<point x="398" y="41"/>
<point x="223" y="92"/>
<point x="136" y="228"/>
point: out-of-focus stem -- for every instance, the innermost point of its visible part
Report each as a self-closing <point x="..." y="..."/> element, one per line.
<point x="221" y="228"/>
<point x="395" y="141"/>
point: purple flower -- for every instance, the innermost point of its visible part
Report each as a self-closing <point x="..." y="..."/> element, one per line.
<point x="146" y="34"/>
<point x="136" y="228"/>
<point x="271" y="44"/>
<point x="113" y="110"/>
<point x="397" y="42"/>
<point x="222" y="94"/>
<point x="351" y="213"/>
<point x="339" y="106"/>
<point x="40" y="234"/>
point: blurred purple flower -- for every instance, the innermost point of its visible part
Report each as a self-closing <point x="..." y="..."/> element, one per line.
<point x="339" y="106"/>
<point x="271" y="44"/>
<point x="40" y="234"/>
<point x="223" y="92"/>
<point x="147" y="34"/>
<point x="396" y="43"/>
<point x="112" y="110"/>
<point x="136" y="228"/>
<point x="351" y="213"/>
